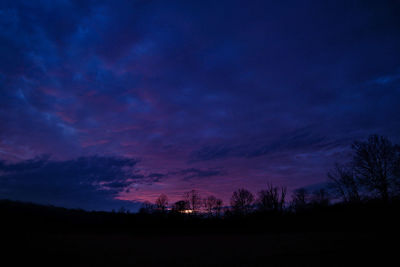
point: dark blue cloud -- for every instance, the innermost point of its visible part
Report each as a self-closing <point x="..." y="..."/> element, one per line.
<point x="86" y="182"/>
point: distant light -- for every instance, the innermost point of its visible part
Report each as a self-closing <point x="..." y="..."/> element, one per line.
<point x="187" y="211"/>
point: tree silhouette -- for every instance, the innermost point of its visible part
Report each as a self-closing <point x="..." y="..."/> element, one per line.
<point x="194" y="200"/>
<point x="272" y="198"/>
<point x="241" y="201"/>
<point x="122" y="209"/>
<point x="162" y="202"/>
<point x="147" y="207"/>
<point x="320" y="197"/>
<point x="180" y="206"/>
<point x="344" y="183"/>
<point x="210" y="204"/>
<point x="218" y="207"/>
<point x="300" y="199"/>
<point x="376" y="164"/>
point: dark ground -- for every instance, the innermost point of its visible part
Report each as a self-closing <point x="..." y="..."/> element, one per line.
<point x="45" y="241"/>
<point x="286" y="249"/>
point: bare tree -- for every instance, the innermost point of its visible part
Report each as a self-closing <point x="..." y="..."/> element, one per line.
<point x="162" y="202"/>
<point x="180" y="206"/>
<point x="123" y="210"/>
<point x="241" y="201"/>
<point x="194" y="199"/>
<point x="396" y="171"/>
<point x="320" y="197"/>
<point x="218" y="207"/>
<point x="344" y="183"/>
<point x="272" y="198"/>
<point x="300" y="199"/>
<point x="147" y="207"/>
<point x="376" y="163"/>
<point x="210" y="204"/>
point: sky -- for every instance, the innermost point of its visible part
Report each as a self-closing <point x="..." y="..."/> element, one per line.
<point x="106" y="104"/>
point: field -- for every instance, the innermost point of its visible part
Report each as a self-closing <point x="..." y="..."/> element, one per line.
<point x="336" y="236"/>
<point x="278" y="249"/>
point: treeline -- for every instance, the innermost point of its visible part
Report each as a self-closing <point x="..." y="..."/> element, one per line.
<point x="371" y="174"/>
<point x="362" y="194"/>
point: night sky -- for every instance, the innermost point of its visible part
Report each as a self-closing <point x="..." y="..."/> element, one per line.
<point x="107" y="101"/>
